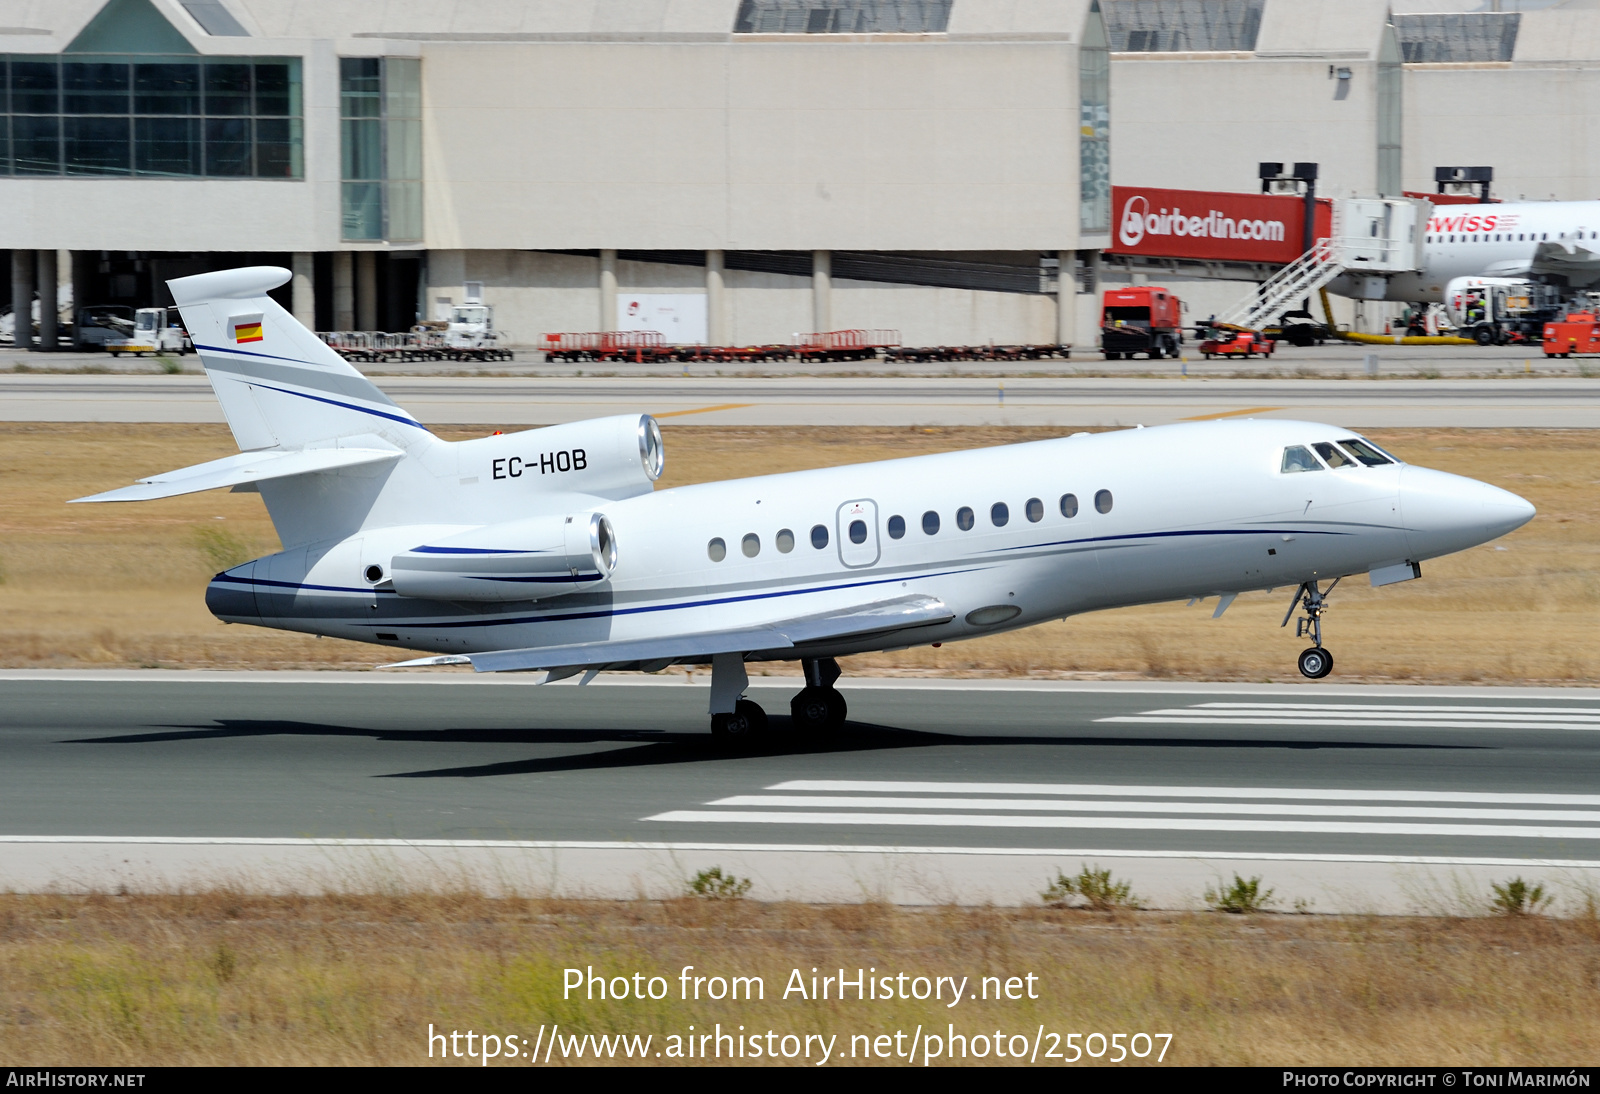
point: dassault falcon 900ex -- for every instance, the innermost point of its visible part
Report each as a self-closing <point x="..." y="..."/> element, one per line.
<point x="551" y="550"/>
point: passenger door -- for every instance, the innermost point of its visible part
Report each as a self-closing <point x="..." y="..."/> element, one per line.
<point x="858" y="533"/>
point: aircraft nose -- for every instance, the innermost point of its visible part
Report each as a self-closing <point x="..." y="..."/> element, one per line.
<point x="1445" y="513"/>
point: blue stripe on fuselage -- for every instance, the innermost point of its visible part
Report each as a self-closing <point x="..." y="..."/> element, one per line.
<point x="609" y="612"/>
<point x="1166" y="535"/>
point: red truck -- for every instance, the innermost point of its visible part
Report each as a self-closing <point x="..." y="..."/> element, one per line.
<point x="1140" y="319"/>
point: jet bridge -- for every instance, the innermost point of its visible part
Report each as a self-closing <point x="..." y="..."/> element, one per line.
<point x="1372" y="239"/>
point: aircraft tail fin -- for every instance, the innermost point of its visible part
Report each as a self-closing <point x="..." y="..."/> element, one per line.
<point x="280" y="385"/>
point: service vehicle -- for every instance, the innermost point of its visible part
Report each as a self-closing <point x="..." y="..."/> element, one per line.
<point x="1494" y="311"/>
<point x="1222" y="342"/>
<point x="155" y="330"/>
<point x="1578" y="332"/>
<point x="102" y="323"/>
<point x="1140" y="319"/>
<point x="1299" y="328"/>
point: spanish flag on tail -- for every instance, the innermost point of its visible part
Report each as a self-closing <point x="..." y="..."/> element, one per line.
<point x="245" y="328"/>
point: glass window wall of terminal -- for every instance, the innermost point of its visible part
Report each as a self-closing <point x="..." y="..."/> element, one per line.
<point x="380" y="137"/>
<point x="151" y="116"/>
<point x="1094" y="140"/>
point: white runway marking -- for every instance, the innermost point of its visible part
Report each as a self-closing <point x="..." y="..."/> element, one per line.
<point x="1372" y="715"/>
<point x="1168" y="824"/>
<point x="1298" y="793"/>
<point x="1034" y="805"/>
<point x="1097" y="806"/>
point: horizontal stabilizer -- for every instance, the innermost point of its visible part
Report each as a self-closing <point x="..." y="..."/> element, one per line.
<point x="879" y="617"/>
<point x="246" y="467"/>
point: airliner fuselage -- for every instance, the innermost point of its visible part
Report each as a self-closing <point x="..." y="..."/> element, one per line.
<point x="1545" y="239"/>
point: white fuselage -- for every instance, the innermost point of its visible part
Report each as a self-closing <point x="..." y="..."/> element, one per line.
<point x="1494" y="240"/>
<point x="1197" y="509"/>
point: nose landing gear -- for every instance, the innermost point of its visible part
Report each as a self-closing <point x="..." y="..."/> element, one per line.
<point x="1316" y="662"/>
<point x="819" y="706"/>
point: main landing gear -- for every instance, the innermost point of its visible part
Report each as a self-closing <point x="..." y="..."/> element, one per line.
<point x="819" y="706"/>
<point x="1316" y="662"/>
<point x="735" y="719"/>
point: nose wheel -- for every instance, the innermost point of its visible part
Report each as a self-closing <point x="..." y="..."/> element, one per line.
<point x="1316" y="662"/>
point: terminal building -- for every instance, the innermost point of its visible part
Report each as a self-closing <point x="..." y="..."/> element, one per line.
<point x="744" y="170"/>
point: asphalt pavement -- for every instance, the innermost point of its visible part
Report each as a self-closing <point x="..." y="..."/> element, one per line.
<point x="935" y="790"/>
<point x="1052" y="401"/>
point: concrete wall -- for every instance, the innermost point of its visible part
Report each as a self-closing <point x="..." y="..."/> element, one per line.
<point x="1205" y="124"/>
<point x="1203" y="121"/>
<point x="927" y="316"/>
<point x="1535" y="124"/>
<point x="768" y="145"/>
<point x="535" y="293"/>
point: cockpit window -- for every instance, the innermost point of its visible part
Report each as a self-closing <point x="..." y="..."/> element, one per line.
<point x="1364" y="452"/>
<point x="1385" y="451"/>
<point x="1299" y="458"/>
<point x="1335" y="458"/>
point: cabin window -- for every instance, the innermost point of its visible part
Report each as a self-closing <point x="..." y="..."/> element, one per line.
<point x="964" y="519"/>
<point x="999" y="514"/>
<point x="750" y="545"/>
<point x="1069" y="505"/>
<point x="1102" y="501"/>
<point x="930" y="523"/>
<point x="897" y="526"/>
<point x="858" y="531"/>
<point x="1333" y="456"/>
<point x="819" y="536"/>
<point x="1298" y="457"/>
<point x="1364" y="452"/>
<point x="785" y="540"/>
<point x="717" y="550"/>
<point x="1035" y="510"/>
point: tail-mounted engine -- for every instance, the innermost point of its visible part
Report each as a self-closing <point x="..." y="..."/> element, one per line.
<point x="615" y="457"/>
<point x="529" y="559"/>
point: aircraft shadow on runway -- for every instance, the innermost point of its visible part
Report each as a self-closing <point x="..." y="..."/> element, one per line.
<point x="657" y="748"/>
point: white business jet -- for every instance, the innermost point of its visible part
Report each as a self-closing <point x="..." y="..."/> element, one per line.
<point x="550" y="550"/>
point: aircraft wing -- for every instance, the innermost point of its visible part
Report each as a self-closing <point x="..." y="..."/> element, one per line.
<point x="1579" y="263"/>
<point x="878" y="617"/>
<point x="246" y="467"/>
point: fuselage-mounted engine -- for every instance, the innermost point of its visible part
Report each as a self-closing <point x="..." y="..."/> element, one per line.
<point x="529" y="559"/>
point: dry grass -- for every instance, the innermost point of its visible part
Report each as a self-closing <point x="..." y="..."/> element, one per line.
<point x="225" y="978"/>
<point x="122" y="585"/>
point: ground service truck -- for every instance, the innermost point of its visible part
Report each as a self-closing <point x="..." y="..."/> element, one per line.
<point x="1140" y="319"/>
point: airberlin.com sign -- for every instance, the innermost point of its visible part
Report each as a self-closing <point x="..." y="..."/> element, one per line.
<point x="1211" y="225"/>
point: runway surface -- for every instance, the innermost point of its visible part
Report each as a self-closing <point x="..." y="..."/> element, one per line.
<point x="1571" y="402"/>
<point x="978" y="785"/>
